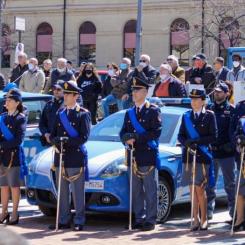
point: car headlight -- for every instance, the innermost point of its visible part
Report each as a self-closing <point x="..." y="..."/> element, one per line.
<point x="115" y="169"/>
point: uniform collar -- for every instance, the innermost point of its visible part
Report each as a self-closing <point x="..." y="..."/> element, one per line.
<point x="13" y="114"/>
<point x="203" y="110"/>
<point x="142" y="105"/>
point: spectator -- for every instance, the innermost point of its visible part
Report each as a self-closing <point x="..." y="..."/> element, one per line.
<point x="112" y="70"/>
<point x="169" y="86"/>
<point x="47" y="69"/>
<point x="237" y="73"/>
<point x="203" y="73"/>
<point x="220" y="70"/>
<point x="33" y="79"/>
<point x="177" y="71"/>
<point x="2" y="81"/>
<point x="189" y="71"/>
<point x="69" y="66"/>
<point x="121" y="84"/>
<point x="61" y="73"/>
<point x="80" y="69"/>
<point x="144" y="70"/>
<point x="91" y="86"/>
<point x="19" y="69"/>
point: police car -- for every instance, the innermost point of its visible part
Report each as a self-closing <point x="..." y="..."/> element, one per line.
<point x="34" y="104"/>
<point x="108" y="187"/>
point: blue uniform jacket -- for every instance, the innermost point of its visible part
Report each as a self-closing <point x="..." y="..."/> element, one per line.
<point x="17" y="125"/>
<point x="80" y="119"/>
<point x="223" y="147"/>
<point x="150" y="119"/>
<point x="207" y="129"/>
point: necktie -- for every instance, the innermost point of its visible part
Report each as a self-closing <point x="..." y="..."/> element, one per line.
<point x="196" y="116"/>
<point x="138" y="112"/>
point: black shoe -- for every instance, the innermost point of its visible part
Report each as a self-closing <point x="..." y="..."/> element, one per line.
<point x="78" y="227"/>
<point x="6" y="218"/>
<point x="204" y="226"/>
<point x="13" y="222"/>
<point x="239" y="227"/>
<point x="136" y="226"/>
<point x="148" y="226"/>
<point x="60" y="226"/>
<point x="195" y="227"/>
<point x="210" y="216"/>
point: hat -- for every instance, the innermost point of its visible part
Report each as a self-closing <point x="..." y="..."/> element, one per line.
<point x="222" y="87"/>
<point x="193" y="57"/>
<point x="139" y="83"/>
<point x="237" y="55"/>
<point x="58" y="85"/>
<point x="14" y="94"/>
<point x="197" y="93"/>
<point x="70" y="87"/>
<point x="201" y="57"/>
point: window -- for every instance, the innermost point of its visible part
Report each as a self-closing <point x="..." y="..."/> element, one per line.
<point x="129" y="40"/>
<point x="6" y="46"/>
<point x="179" y="40"/>
<point x="44" y="42"/>
<point x="229" y="35"/>
<point x="87" y="42"/>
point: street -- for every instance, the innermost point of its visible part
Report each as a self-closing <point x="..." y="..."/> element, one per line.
<point x="107" y="229"/>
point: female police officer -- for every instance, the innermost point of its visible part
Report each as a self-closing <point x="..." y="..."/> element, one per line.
<point x="12" y="131"/>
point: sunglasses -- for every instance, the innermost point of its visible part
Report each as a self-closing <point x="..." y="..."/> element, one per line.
<point x="142" y="61"/>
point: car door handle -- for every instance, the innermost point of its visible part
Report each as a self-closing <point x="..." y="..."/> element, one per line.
<point x="171" y="159"/>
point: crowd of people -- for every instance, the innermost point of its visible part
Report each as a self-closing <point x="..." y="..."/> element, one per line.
<point x="213" y="133"/>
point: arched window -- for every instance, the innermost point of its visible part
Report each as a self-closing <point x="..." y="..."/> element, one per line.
<point x="87" y="42"/>
<point x="6" y="46"/>
<point x="129" y="40"/>
<point x="229" y="35"/>
<point x="44" y="42"/>
<point x="179" y="40"/>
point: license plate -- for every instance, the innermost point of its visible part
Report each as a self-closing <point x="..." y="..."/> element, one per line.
<point x="94" y="185"/>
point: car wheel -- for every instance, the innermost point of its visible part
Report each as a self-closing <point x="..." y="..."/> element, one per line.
<point x="47" y="211"/>
<point x="164" y="200"/>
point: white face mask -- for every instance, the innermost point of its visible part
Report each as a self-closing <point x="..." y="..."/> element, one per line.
<point x="164" y="77"/>
<point x="31" y="67"/>
<point x="111" y="72"/>
<point x="60" y="69"/>
<point x="143" y="64"/>
<point x="236" y="64"/>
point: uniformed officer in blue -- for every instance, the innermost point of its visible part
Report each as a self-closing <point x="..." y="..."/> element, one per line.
<point x="49" y="111"/>
<point x="12" y="162"/>
<point x="240" y="143"/>
<point x="197" y="131"/>
<point x="223" y="150"/>
<point x="73" y="122"/>
<point x="141" y="130"/>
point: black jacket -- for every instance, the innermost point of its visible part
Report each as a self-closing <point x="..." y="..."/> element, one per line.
<point x="149" y="73"/>
<point x="222" y="76"/>
<point x="56" y="75"/>
<point x="17" y="72"/>
<point x="176" y="88"/>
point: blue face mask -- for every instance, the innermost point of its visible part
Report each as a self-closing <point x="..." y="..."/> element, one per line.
<point x="123" y="66"/>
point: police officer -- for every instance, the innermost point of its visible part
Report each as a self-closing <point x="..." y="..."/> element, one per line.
<point x="145" y="154"/>
<point x="240" y="142"/>
<point x="12" y="164"/>
<point x="73" y="122"/>
<point x="48" y="114"/>
<point x="197" y="131"/>
<point x="223" y="150"/>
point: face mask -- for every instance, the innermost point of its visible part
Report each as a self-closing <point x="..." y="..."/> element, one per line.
<point x="31" y="67"/>
<point x="110" y="72"/>
<point x="236" y="64"/>
<point x="60" y="69"/>
<point x="164" y="77"/>
<point x="123" y="66"/>
<point x="143" y="64"/>
<point x="88" y="72"/>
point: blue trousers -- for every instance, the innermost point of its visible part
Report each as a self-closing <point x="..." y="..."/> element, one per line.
<point x="227" y="166"/>
<point x="78" y="195"/>
<point x="144" y="197"/>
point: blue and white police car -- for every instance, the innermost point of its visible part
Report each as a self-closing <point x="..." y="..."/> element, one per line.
<point x="108" y="187"/>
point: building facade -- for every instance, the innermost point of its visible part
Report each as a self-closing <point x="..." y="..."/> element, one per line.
<point x="105" y="30"/>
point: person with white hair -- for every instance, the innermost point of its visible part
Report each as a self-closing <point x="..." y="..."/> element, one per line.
<point x="144" y="70"/>
<point x="61" y="73"/>
<point x="32" y="80"/>
<point x="168" y="86"/>
<point x="177" y="71"/>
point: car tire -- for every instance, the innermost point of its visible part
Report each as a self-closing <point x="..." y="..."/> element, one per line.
<point x="47" y="211"/>
<point x="164" y="200"/>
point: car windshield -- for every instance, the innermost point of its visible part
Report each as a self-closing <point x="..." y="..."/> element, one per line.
<point x="109" y="128"/>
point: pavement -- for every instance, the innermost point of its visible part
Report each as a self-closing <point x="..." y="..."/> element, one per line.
<point x="109" y="229"/>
